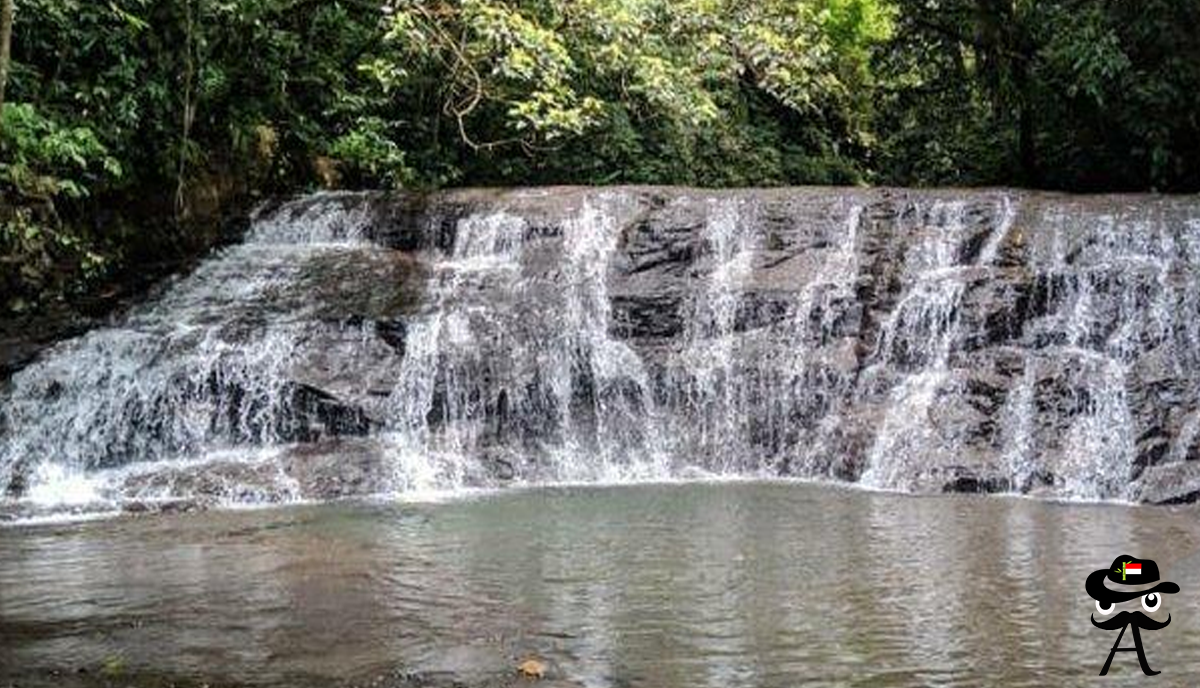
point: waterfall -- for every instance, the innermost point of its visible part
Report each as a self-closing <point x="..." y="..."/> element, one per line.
<point x="365" y="343"/>
<point x="708" y="371"/>
<point x="209" y="366"/>
<point x="926" y="320"/>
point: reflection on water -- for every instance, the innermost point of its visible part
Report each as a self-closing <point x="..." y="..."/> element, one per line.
<point x="683" y="585"/>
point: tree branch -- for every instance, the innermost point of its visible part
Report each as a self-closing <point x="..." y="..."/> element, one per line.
<point x="6" y="24"/>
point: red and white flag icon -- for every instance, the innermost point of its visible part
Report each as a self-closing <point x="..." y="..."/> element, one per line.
<point x="1133" y="569"/>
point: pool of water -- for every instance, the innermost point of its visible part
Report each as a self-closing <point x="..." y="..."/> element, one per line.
<point x="726" y="584"/>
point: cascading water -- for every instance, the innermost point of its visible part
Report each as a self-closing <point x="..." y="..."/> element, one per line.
<point x="920" y="331"/>
<point x="212" y="369"/>
<point x="373" y="343"/>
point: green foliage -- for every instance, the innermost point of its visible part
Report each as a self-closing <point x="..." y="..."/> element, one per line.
<point x="42" y="162"/>
<point x="1048" y="93"/>
<point x="113" y="667"/>
<point x="605" y="91"/>
<point x="435" y="92"/>
<point x="41" y="158"/>
<point x="124" y="113"/>
<point x="370" y="156"/>
<point x="98" y="144"/>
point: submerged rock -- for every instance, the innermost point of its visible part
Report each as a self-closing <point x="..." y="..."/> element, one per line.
<point x="336" y="469"/>
<point x="325" y="470"/>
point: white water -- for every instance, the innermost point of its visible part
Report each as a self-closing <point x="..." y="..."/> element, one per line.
<point x="509" y="368"/>
<point x="925" y="321"/>
<point x="204" y="368"/>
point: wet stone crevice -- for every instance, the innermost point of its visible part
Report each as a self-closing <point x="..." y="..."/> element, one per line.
<point x="927" y="341"/>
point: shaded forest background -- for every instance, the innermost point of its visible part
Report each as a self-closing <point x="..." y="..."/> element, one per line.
<point x="130" y="129"/>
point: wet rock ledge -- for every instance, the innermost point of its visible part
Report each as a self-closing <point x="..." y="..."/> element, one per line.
<point x="927" y="341"/>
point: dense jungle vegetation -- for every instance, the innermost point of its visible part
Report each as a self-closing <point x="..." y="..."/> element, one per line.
<point x="129" y="128"/>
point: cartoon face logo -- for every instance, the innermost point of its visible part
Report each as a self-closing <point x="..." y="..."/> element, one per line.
<point x="1128" y="571"/>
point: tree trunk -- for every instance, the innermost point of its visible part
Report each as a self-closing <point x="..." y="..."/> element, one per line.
<point x="1026" y="143"/>
<point x="1023" y="53"/>
<point x="6" y="22"/>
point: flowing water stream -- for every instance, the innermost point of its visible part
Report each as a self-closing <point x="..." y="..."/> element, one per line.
<point x="916" y="341"/>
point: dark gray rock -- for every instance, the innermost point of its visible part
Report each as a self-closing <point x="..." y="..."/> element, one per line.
<point x="936" y="340"/>
<point x="337" y="469"/>
<point x="1177" y="483"/>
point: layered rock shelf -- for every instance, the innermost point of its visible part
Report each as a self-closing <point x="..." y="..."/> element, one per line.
<point x="922" y="341"/>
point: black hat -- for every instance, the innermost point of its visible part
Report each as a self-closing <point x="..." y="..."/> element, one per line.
<point x="1126" y="570"/>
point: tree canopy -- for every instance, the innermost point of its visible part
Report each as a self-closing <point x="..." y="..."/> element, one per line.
<point x="126" y="122"/>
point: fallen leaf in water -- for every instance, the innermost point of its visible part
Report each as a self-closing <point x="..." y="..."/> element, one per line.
<point x="532" y="668"/>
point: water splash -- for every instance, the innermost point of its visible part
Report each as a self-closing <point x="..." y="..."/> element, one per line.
<point x="208" y="366"/>
<point x="922" y="329"/>
<point x="707" y="373"/>
<point x="907" y="342"/>
<point x="1016" y="431"/>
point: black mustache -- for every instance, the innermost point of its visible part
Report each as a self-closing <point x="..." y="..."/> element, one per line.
<point x="1138" y="619"/>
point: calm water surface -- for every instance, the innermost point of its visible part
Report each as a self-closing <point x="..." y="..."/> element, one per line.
<point x="743" y="584"/>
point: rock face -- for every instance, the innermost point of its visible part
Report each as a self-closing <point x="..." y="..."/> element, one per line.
<point x="921" y="341"/>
